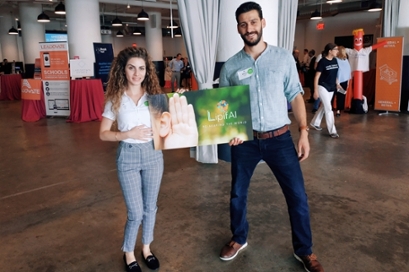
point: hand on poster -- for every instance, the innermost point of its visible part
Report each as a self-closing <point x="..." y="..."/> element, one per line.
<point x="184" y="128"/>
<point x="235" y="141"/>
<point x="181" y="90"/>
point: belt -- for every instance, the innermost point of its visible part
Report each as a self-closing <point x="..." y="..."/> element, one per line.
<point x="175" y="71"/>
<point x="271" y="133"/>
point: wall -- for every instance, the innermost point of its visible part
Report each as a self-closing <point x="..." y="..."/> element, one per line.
<point x="307" y="36"/>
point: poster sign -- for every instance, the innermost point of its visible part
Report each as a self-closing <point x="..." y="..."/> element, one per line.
<point x="202" y="117"/>
<point x="54" y="61"/>
<point x="31" y="89"/>
<point x="57" y="97"/>
<point x="104" y="56"/>
<point x="389" y="74"/>
<point x="80" y="68"/>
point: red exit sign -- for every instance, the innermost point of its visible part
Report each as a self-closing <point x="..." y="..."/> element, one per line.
<point x="320" y="25"/>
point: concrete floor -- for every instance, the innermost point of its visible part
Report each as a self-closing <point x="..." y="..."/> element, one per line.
<point x="62" y="208"/>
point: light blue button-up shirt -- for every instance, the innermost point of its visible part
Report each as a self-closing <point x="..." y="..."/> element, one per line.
<point x="273" y="80"/>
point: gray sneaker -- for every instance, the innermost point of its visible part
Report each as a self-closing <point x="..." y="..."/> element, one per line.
<point x="315" y="127"/>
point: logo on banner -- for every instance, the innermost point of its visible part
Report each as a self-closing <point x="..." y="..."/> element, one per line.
<point x="224" y="114"/>
<point x="388" y="74"/>
<point x="31" y="89"/>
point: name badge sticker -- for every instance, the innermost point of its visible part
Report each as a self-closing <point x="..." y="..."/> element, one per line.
<point x="245" y="73"/>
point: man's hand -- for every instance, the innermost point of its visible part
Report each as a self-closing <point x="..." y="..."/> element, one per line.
<point x="303" y="146"/>
<point x="235" y="141"/>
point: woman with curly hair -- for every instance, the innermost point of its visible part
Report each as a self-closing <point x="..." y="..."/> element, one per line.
<point x="132" y="80"/>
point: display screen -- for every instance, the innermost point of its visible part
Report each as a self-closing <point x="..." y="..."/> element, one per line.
<point x="56" y="37"/>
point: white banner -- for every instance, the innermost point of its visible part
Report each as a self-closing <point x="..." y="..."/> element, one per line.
<point x="57" y="97"/>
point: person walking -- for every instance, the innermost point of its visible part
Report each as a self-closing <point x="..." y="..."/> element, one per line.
<point x="176" y="65"/>
<point x="270" y="89"/>
<point x="132" y="79"/>
<point x="344" y="75"/>
<point x="325" y="84"/>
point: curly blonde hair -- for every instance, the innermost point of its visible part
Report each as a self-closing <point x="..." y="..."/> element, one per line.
<point x="117" y="83"/>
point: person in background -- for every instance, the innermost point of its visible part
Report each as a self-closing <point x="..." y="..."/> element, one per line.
<point x="185" y="76"/>
<point x="270" y="88"/>
<point x="176" y="65"/>
<point x="305" y="65"/>
<point x="344" y="75"/>
<point x="310" y="75"/>
<point x="3" y="67"/>
<point x="316" y="101"/>
<point x="132" y="79"/>
<point x="325" y="84"/>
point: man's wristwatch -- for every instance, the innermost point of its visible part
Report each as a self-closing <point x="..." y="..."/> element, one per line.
<point x="303" y="128"/>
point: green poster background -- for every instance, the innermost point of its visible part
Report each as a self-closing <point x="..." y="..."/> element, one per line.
<point x="221" y="114"/>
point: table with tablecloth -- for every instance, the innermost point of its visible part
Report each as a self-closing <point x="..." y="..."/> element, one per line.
<point x="86" y="103"/>
<point x="87" y="100"/>
<point x="10" y="87"/>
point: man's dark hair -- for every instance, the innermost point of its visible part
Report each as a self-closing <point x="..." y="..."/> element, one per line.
<point x="246" y="7"/>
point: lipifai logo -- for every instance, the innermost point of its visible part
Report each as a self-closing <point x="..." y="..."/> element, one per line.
<point x="223" y="112"/>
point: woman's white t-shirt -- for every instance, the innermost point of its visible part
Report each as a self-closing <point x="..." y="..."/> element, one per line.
<point x="130" y="115"/>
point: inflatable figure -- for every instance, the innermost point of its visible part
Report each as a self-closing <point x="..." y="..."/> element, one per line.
<point x="359" y="60"/>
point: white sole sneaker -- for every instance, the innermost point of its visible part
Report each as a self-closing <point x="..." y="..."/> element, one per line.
<point x="315" y="127"/>
<point x="234" y="256"/>
<point x="334" y="135"/>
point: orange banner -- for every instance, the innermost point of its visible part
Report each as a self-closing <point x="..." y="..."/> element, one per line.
<point x="31" y="89"/>
<point x="389" y="74"/>
<point x="54" y="61"/>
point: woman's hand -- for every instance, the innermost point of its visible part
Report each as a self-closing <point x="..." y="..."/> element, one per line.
<point x="316" y="94"/>
<point x="141" y="133"/>
<point x="181" y="90"/>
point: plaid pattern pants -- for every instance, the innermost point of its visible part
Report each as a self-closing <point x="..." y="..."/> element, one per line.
<point x="140" y="170"/>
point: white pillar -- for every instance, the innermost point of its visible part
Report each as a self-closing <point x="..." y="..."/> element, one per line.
<point x="8" y="42"/>
<point x="32" y="32"/>
<point x="83" y="27"/>
<point x="403" y="26"/>
<point x="153" y="36"/>
<point x="230" y="41"/>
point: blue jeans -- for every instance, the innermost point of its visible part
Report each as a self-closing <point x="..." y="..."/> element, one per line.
<point x="280" y="155"/>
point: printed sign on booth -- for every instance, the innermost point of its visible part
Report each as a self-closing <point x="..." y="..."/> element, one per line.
<point x="31" y="89"/>
<point x="54" y="61"/>
<point x="389" y="74"/>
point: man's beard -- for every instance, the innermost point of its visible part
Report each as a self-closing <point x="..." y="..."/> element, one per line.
<point x="255" y="42"/>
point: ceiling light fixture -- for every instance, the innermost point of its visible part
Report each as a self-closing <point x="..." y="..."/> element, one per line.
<point x="60" y="9"/>
<point x="374" y="7"/>
<point x="43" y="18"/>
<point x="18" y="25"/>
<point x="316" y="15"/>
<point x="137" y="32"/>
<point x="333" y="1"/>
<point x="116" y="21"/>
<point x="13" y="31"/>
<point x="172" y="24"/>
<point x="143" y="16"/>
<point x="119" y="34"/>
<point x="178" y="33"/>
